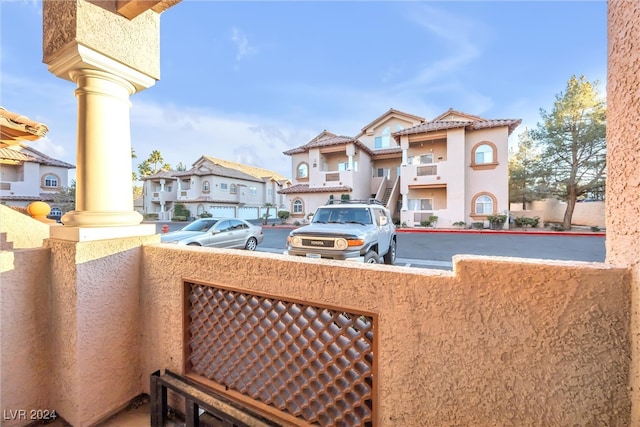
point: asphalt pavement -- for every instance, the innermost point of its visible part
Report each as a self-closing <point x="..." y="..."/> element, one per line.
<point x="436" y="249"/>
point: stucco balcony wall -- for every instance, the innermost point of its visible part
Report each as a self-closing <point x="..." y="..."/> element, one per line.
<point x="499" y="341"/>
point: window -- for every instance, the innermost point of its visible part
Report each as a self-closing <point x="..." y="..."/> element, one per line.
<point x="484" y="154"/>
<point x="382" y="172"/>
<point x="269" y="192"/>
<point x="205" y="187"/>
<point x="51" y="181"/>
<point x="423" y="159"/>
<point x="55" y="212"/>
<point x="384" y="140"/>
<point x="253" y="191"/>
<point x="343" y="166"/>
<point x="484" y="205"/>
<point x="224" y="186"/>
<point x="303" y="170"/>
<point x="200" y="210"/>
<point x="297" y="206"/>
<point x="420" y="204"/>
<point x="233" y="189"/>
<point x="169" y="188"/>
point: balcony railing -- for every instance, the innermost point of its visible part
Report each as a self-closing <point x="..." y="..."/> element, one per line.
<point x="312" y="362"/>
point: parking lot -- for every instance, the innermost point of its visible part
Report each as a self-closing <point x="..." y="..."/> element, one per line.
<point x="435" y="250"/>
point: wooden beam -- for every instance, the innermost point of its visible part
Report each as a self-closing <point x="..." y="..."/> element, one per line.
<point x="132" y="8"/>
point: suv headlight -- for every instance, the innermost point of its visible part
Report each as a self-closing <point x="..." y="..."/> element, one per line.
<point x="341" y="244"/>
<point x="295" y="241"/>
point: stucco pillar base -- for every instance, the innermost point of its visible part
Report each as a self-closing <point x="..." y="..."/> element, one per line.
<point x="95" y="326"/>
<point x="101" y="219"/>
<point x="88" y="234"/>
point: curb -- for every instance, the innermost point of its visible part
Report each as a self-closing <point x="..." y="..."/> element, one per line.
<point x="527" y="233"/>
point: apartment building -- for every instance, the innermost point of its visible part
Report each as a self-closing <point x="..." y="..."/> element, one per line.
<point x="27" y="175"/>
<point x="454" y="167"/>
<point x="217" y="187"/>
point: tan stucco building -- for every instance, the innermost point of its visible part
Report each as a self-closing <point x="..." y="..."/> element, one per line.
<point x="454" y="167"/>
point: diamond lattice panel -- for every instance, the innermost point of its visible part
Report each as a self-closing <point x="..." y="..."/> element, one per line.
<point x="312" y="362"/>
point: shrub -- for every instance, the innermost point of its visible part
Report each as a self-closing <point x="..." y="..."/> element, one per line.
<point x="460" y="224"/>
<point x="178" y="218"/>
<point x="595" y="228"/>
<point x="180" y="210"/>
<point x="283" y="215"/>
<point x="525" y="221"/>
<point x="297" y="223"/>
<point x="433" y="219"/>
<point x="425" y="223"/>
<point x="496" y="221"/>
<point x="151" y="216"/>
<point x="403" y="225"/>
<point x="395" y="220"/>
<point x="205" y="215"/>
<point x="557" y="227"/>
<point x="477" y="225"/>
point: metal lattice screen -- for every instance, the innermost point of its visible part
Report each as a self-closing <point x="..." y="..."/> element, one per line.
<point x="314" y="363"/>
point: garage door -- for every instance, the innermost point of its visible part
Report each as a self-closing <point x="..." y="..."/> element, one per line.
<point x="228" y="211"/>
<point x="248" y="213"/>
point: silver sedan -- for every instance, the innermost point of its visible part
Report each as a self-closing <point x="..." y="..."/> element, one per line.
<point x="218" y="233"/>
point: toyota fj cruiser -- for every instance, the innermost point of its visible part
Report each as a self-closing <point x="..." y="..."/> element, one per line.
<point x="347" y="230"/>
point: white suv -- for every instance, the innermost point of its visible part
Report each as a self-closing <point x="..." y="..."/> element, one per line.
<point x="347" y="230"/>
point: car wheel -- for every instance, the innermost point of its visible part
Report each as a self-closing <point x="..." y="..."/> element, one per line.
<point x="390" y="256"/>
<point x="252" y="244"/>
<point x="193" y="244"/>
<point x="371" y="257"/>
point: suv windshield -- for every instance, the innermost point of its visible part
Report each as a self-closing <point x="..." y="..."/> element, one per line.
<point x="345" y="215"/>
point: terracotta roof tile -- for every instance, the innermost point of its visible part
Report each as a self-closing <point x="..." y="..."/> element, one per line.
<point x="23" y="153"/>
<point x="451" y="124"/>
<point x="304" y="188"/>
<point x="327" y="142"/>
<point x="15" y="127"/>
<point x="250" y="170"/>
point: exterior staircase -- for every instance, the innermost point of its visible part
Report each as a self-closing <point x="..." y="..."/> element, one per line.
<point x="386" y="195"/>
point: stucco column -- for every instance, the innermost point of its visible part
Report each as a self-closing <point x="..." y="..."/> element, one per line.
<point x="623" y="177"/>
<point x="404" y="144"/>
<point x="103" y="151"/>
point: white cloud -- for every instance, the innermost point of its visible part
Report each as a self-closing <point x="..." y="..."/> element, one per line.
<point x="242" y="44"/>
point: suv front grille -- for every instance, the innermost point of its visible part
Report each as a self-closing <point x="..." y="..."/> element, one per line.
<point x="311" y="242"/>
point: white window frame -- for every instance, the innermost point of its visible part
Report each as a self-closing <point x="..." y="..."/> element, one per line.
<point x="417" y="204"/>
<point x="298" y="207"/>
<point x="483" y="201"/>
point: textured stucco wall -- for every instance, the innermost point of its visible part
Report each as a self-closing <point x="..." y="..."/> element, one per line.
<point x="500" y="342"/>
<point x="95" y="313"/>
<point x="623" y="156"/>
<point x="19" y="231"/>
<point x="135" y="43"/>
<point x="25" y="331"/>
<point x="552" y="210"/>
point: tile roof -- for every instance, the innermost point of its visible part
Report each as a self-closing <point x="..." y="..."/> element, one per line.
<point x="217" y="170"/>
<point x="384" y="151"/>
<point x="15" y="127"/>
<point x="327" y="142"/>
<point x="389" y="112"/>
<point x="22" y="153"/>
<point x="161" y="174"/>
<point x="250" y="170"/>
<point x="43" y="197"/>
<point x="436" y="125"/>
<point x="304" y="188"/>
<point x="456" y="113"/>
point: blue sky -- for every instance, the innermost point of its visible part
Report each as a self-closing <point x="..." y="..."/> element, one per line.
<point x="245" y="81"/>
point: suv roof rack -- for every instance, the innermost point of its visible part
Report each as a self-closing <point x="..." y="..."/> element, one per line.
<point x="370" y="201"/>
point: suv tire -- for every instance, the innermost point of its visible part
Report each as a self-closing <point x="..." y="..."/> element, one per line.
<point x="390" y="256"/>
<point x="371" y="257"/>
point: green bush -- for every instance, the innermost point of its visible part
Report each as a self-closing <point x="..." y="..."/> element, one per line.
<point x="496" y="221"/>
<point x="283" y="215"/>
<point x="151" y="216"/>
<point x="525" y="221"/>
<point x="557" y="227"/>
<point x="395" y="220"/>
<point x="595" y="228"/>
<point x="178" y="218"/>
<point x="206" y="215"/>
<point x="477" y="225"/>
<point x="460" y="224"/>
<point x="425" y="223"/>
<point x="180" y="210"/>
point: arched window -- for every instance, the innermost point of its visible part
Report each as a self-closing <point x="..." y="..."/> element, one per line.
<point x="205" y="187"/>
<point x="484" y="155"/>
<point x="303" y="171"/>
<point x="483" y="205"/>
<point x="51" y="181"/>
<point x="298" y="207"/>
<point x="233" y="189"/>
<point x="200" y="210"/>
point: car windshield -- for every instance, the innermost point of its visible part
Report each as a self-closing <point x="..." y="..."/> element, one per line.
<point x="342" y="216"/>
<point x="200" y="225"/>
